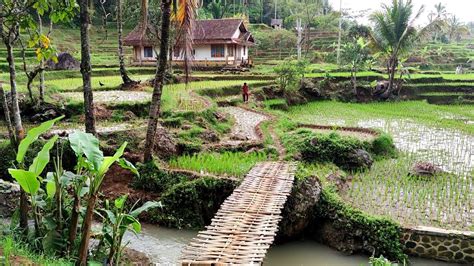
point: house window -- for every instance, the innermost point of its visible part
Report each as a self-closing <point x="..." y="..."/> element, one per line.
<point x="147" y="52"/>
<point x="217" y="50"/>
<point x="245" y="49"/>
<point x="230" y="50"/>
<point x="194" y="52"/>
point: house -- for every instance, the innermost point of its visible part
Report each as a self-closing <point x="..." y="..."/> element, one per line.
<point x="216" y="42"/>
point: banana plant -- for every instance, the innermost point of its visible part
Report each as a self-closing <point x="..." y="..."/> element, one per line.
<point x="29" y="178"/>
<point x="93" y="165"/>
<point x="116" y="221"/>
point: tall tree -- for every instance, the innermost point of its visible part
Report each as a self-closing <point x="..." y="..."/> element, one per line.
<point x="184" y="14"/>
<point x="123" y="72"/>
<point x="11" y="14"/>
<point x="86" y="69"/>
<point x="394" y="33"/>
<point x="159" y="79"/>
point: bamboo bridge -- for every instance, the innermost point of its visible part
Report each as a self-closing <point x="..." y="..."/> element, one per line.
<point x="246" y="224"/>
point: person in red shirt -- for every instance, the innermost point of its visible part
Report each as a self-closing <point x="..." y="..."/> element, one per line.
<point x="245" y="92"/>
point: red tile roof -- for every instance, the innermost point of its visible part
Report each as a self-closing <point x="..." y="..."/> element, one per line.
<point x="204" y="32"/>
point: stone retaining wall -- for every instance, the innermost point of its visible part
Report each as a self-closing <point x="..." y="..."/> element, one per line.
<point x="9" y="198"/>
<point x="440" y="244"/>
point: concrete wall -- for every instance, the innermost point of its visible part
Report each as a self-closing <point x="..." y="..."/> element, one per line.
<point x="440" y="244"/>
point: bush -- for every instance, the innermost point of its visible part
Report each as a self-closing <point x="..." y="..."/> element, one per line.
<point x="152" y="178"/>
<point x="315" y="147"/>
<point x="383" y="146"/>
<point x="192" y="204"/>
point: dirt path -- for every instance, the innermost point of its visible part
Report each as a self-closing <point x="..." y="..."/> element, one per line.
<point x="246" y="123"/>
<point x="246" y="128"/>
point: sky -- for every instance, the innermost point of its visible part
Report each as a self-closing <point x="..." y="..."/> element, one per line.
<point x="464" y="9"/>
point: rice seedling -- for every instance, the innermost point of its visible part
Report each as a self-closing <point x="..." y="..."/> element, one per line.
<point x="389" y="189"/>
<point x="235" y="164"/>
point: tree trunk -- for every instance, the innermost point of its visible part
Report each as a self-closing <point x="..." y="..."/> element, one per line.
<point x="144" y="14"/>
<point x="123" y="72"/>
<point x="86" y="68"/>
<point x="74" y="222"/>
<point x="159" y="78"/>
<point x="392" y="70"/>
<point x="19" y="132"/>
<point x="41" y="70"/>
<point x="41" y="85"/>
<point x="86" y="231"/>
<point x="354" y="81"/>
<point x="6" y="113"/>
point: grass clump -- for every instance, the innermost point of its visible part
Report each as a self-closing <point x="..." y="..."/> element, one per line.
<point x="192" y="204"/>
<point x="383" y="146"/>
<point x="153" y="178"/>
<point x="15" y="252"/>
<point x="229" y="163"/>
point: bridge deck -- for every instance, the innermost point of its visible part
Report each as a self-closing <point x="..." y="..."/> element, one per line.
<point x="245" y="225"/>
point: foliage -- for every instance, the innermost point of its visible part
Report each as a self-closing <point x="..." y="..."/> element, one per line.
<point x="380" y="261"/>
<point x="154" y="179"/>
<point x="50" y="197"/>
<point x="383" y="146"/>
<point x="116" y="221"/>
<point x="192" y="204"/>
<point x="324" y="148"/>
<point x="355" y="54"/>
<point x="290" y="72"/>
<point x="394" y="33"/>
<point x="16" y="251"/>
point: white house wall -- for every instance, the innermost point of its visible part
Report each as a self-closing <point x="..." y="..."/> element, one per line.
<point x="203" y="53"/>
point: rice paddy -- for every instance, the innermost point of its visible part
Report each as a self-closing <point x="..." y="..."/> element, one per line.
<point x="388" y="189"/>
<point x="441" y="135"/>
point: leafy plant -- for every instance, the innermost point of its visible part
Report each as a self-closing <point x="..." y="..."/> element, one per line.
<point x="116" y="221"/>
<point x="29" y="179"/>
<point x="93" y="166"/>
<point x="290" y="72"/>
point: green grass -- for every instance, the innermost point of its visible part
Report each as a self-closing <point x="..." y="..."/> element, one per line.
<point x="19" y="254"/>
<point x="330" y="112"/>
<point x="235" y="164"/>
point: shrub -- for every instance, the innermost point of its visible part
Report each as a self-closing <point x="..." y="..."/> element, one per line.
<point x="383" y="146"/>
<point x="152" y="178"/>
<point x="192" y="204"/>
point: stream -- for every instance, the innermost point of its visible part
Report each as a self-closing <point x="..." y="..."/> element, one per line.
<point x="163" y="246"/>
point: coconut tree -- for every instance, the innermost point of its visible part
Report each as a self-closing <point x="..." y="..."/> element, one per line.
<point x="394" y="33"/>
<point x="456" y="29"/>
<point x="184" y="14"/>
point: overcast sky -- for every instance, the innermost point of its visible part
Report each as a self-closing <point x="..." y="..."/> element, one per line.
<point x="464" y="9"/>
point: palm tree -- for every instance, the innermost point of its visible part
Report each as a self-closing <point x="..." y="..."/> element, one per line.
<point x="184" y="14"/>
<point x="439" y="14"/>
<point x="394" y="33"/>
<point x="456" y="29"/>
<point x="440" y="10"/>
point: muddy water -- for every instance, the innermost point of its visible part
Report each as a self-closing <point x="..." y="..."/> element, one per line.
<point x="163" y="246"/>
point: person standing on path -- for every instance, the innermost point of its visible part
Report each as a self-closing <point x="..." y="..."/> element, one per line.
<point x="245" y="92"/>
